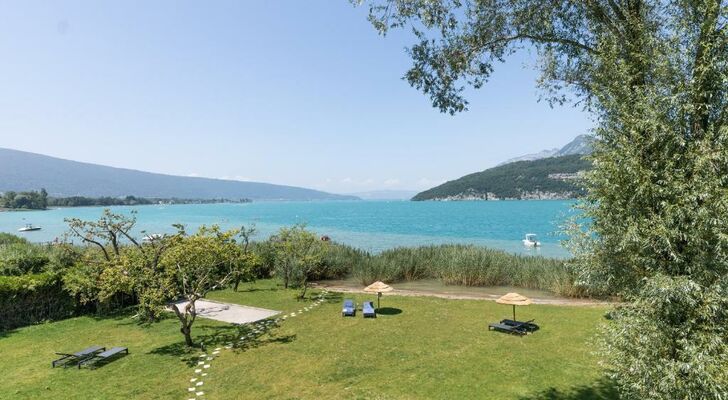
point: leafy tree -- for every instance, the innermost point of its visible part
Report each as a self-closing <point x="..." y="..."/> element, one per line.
<point x="128" y="266"/>
<point x="107" y="233"/>
<point x="654" y="74"/>
<point x="199" y="263"/>
<point x="298" y="253"/>
<point x="248" y="262"/>
<point x="25" y="200"/>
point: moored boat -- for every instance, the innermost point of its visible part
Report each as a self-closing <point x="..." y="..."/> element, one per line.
<point x="29" y="228"/>
<point x="531" y="240"/>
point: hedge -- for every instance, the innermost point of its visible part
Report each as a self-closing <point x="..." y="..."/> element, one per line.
<point x="29" y="299"/>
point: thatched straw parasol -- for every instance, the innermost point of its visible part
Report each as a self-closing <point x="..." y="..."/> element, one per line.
<point x="378" y="287"/>
<point x="514" y="299"/>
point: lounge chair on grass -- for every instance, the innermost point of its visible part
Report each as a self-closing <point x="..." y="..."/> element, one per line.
<point x="528" y="326"/>
<point x="77" y="357"/>
<point x="513" y="330"/>
<point x="349" y="308"/>
<point x="367" y="309"/>
<point x="103" y="357"/>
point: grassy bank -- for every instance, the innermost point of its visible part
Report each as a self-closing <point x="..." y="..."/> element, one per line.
<point x="417" y="348"/>
<point x="466" y="265"/>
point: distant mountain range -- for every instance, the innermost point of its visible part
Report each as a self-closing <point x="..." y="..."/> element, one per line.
<point x="549" y="174"/>
<point x="22" y="171"/>
<point x="582" y="144"/>
<point x="386" y="194"/>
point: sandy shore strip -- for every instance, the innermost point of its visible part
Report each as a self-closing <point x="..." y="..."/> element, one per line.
<point x="460" y="296"/>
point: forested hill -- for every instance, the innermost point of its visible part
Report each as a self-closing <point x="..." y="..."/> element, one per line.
<point x="548" y="178"/>
<point x="23" y="171"/>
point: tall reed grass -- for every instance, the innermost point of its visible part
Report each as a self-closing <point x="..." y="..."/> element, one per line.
<point x="465" y="265"/>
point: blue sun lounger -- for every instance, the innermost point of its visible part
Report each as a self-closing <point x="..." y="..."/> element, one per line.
<point x="367" y="309"/>
<point x="349" y="308"/>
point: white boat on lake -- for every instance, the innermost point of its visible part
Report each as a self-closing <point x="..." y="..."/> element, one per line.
<point x="531" y="240"/>
<point x="29" y="228"/>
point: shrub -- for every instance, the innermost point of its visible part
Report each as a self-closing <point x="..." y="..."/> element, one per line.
<point x="8" y="238"/>
<point x="30" y="299"/>
<point x="22" y="258"/>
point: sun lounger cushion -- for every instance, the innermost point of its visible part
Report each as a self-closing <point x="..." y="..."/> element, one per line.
<point x="367" y="309"/>
<point x="349" y="308"/>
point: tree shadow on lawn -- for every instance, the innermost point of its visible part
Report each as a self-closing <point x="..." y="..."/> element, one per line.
<point x="603" y="389"/>
<point x="255" y="289"/>
<point x="208" y="337"/>
<point x="389" y="311"/>
<point x="8" y="332"/>
<point x="334" y="297"/>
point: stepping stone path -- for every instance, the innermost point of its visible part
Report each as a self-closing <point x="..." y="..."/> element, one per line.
<point x="259" y="328"/>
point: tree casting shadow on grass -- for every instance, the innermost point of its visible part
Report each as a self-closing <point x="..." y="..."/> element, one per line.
<point x="602" y="389"/>
<point x="333" y="298"/>
<point x="254" y="289"/>
<point x="216" y="336"/>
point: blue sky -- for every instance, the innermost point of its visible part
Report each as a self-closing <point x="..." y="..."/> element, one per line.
<point x="292" y="92"/>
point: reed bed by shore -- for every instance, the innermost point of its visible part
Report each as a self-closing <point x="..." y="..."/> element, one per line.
<point x="453" y="264"/>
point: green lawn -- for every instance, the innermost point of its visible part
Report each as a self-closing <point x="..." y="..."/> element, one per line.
<point x="420" y="347"/>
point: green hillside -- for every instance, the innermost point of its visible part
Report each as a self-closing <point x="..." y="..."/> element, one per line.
<point x="518" y="180"/>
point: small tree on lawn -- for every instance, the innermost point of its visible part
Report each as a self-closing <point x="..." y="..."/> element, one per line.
<point x="298" y="253"/>
<point x="199" y="263"/>
<point x="248" y="260"/>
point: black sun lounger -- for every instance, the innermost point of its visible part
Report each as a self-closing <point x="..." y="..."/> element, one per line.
<point x="513" y="330"/>
<point x="528" y="326"/>
<point x="103" y="357"/>
<point x="77" y="356"/>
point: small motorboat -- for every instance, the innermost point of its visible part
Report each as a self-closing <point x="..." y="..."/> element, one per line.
<point x="152" y="237"/>
<point x="29" y="228"/>
<point x="531" y="240"/>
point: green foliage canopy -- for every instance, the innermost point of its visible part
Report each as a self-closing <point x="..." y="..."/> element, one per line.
<point x="655" y="76"/>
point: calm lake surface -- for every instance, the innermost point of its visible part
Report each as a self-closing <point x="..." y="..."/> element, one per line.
<point x="369" y="225"/>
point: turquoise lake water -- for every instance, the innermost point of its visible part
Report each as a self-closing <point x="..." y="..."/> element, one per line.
<point x="369" y="225"/>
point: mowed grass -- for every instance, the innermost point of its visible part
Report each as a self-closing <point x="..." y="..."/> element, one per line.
<point x="418" y="347"/>
<point x="155" y="368"/>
